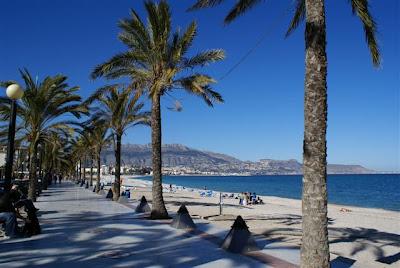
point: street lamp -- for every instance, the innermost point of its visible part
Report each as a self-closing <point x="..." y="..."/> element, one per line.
<point x="14" y="92"/>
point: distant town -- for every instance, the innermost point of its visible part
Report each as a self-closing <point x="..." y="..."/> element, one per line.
<point x="182" y="160"/>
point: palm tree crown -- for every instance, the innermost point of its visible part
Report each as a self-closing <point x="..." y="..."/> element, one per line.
<point x="118" y="108"/>
<point x="157" y="57"/>
<point x="360" y="8"/>
<point x="41" y="112"/>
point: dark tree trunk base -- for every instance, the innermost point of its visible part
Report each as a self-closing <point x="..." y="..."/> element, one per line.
<point x="156" y="215"/>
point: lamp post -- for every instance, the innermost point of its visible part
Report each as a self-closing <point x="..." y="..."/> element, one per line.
<point x="14" y="92"/>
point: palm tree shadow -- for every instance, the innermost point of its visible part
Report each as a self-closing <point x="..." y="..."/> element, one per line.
<point x="83" y="240"/>
<point x="342" y="262"/>
<point x="367" y="238"/>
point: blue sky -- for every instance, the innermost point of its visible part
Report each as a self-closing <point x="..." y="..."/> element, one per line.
<point x="262" y="116"/>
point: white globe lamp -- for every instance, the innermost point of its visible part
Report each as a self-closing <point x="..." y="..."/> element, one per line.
<point x="14" y="92"/>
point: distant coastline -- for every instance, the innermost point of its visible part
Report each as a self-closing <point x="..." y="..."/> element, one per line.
<point x="179" y="159"/>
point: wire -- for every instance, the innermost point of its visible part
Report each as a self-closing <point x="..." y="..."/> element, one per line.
<point x="259" y="41"/>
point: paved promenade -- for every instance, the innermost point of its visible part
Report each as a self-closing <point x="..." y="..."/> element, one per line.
<point x="83" y="229"/>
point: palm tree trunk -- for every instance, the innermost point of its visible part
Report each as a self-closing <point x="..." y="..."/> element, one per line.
<point x="80" y="169"/>
<point x="32" y="172"/>
<point x="315" y="247"/>
<point x="45" y="179"/>
<point x="84" y="169"/>
<point x="117" y="182"/>
<point x="98" y="173"/>
<point x="91" y="171"/>
<point x="158" y="211"/>
<point x="40" y="188"/>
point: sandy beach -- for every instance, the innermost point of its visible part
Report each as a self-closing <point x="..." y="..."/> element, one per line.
<point x="361" y="234"/>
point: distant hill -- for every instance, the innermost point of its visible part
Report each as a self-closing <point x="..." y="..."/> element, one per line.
<point x="177" y="155"/>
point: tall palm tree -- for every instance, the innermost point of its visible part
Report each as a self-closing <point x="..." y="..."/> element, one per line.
<point x="157" y="62"/>
<point x="40" y="111"/>
<point x="121" y="109"/>
<point x="314" y="247"/>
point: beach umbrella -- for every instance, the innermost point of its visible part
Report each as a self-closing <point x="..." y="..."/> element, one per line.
<point x="239" y="238"/>
<point x="183" y="220"/>
<point x="143" y="206"/>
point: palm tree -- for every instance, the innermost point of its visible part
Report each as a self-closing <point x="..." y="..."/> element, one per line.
<point x="121" y="110"/>
<point x="157" y="62"/>
<point x="314" y="248"/>
<point x="100" y="134"/>
<point x="40" y="111"/>
<point x="78" y="151"/>
<point x="56" y="156"/>
<point x="96" y="131"/>
<point x="87" y="144"/>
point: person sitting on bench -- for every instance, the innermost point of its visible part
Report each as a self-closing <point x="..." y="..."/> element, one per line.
<point x="7" y="214"/>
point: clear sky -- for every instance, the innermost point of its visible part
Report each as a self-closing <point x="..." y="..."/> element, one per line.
<point x="262" y="116"/>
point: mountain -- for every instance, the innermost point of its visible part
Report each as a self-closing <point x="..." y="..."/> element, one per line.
<point x="184" y="160"/>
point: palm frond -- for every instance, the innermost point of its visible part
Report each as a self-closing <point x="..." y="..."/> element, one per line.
<point x="298" y="17"/>
<point x="205" y="3"/>
<point x="240" y="8"/>
<point x="204" y="58"/>
<point x="199" y="85"/>
<point x="361" y="9"/>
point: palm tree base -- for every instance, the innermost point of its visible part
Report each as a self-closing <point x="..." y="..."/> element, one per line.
<point x="157" y="215"/>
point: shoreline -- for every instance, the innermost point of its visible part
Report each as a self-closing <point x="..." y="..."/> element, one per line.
<point x="333" y="205"/>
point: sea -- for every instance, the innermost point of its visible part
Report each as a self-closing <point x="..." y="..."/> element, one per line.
<point x="372" y="191"/>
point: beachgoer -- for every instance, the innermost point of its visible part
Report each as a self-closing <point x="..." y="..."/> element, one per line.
<point x="245" y="199"/>
<point x="170" y="188"/>
<point x="254" y="198"/>
<point x="59" y="179"/>
<point x="241" y="199"/>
